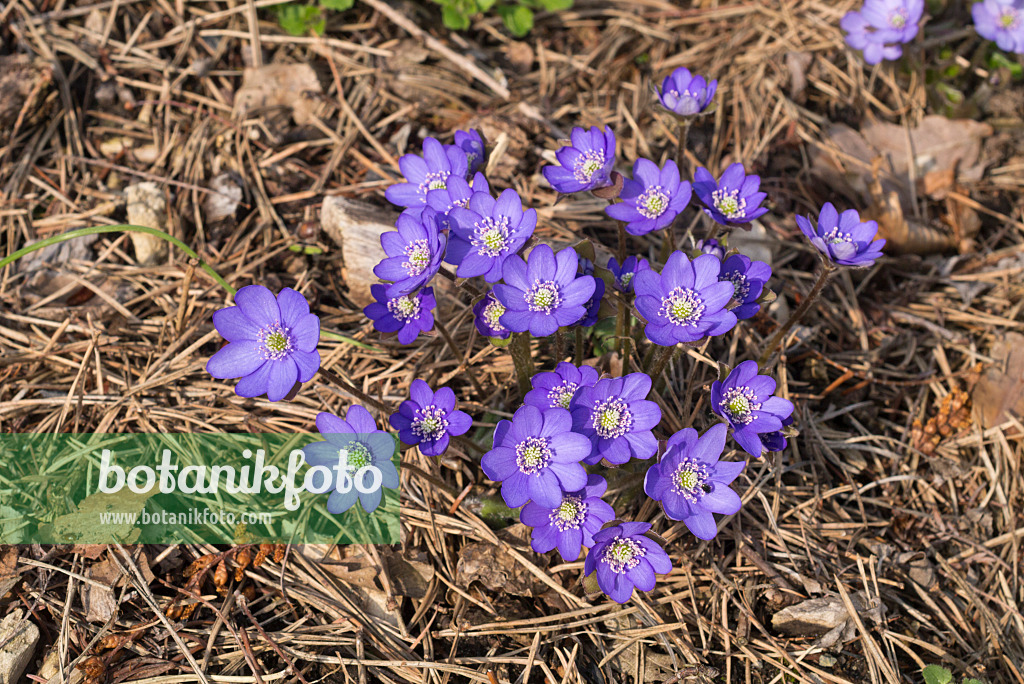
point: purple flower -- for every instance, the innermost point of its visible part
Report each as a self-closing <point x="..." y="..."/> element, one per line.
<point x="625" y="274"/>
<point x="711" y="246"/>
<point x="686" y="301"/>
<point x="543" y="293"/>
<point x="414" y="252"/>
<point x="586" y="164"/>
<point x="556" y="389"/>
<point x="624" y="558"/>
<point x="487" y="316"/>
<point x="746" y="400"/>
<point x="748" y="279"/>
<point x="456" y="194"/>
<point x="472" y="143"/>
<point x="1001" y="21"/>
<point x="571" y="524"/>
<point x="271" y="342"/>
<point x="733" y="199"/>
<point x="691" y="483"/>
<point x="593" y="306"/>
<point x="860" y="35"/>
<point x="652" y="199"/>
<point x="843" y="238"/>
<point x="617" y="418"/>
<point x="487" y="232"/>
<point x="429" y="172"/>
<point x="776" y="441"/>
<point x="536" y="457"/>
<point x="686" y="94"/>
<point x="899" y="16"/>
<point x="408" y="315"/>
<point x="351" y="445"/>
<point x="429" y="418"/>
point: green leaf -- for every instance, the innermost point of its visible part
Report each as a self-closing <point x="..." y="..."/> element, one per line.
<point x="298" y="20"/>
<point x="973" y="681"/>
<point x="484" y="5"/>
<point x="454" y="19"/>
<point x="556" y="5"/>
<point x="337" y="5"/>
<point x="936" y="674"/>
<point x="519" y="20"/>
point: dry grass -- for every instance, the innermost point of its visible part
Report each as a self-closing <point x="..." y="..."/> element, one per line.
<point x="931" y="541"/>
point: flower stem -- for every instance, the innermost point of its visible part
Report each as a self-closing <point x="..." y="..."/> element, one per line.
<point x="355" y="391"/>
<point x="622" y="244"/>
<point x="684" y="135"/>
<point x="665" y="355"/>
<point x="520" y="350"/>
<point x="827" y="269"/>
<point x="579" y="345"/>
<point x="559" y="345"/>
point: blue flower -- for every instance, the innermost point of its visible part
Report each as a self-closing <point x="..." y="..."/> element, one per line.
<point x="617" y="418"/>
<point x="746" y="400"/>
<point x="733" y="199"/>
<point x="625" y="274"/>
<point x="429" y="419"/>
<point x="456" y="194"/>
<point x="544" y="293"/>
<point x="691" y="483"/>
<point x="711" y="246"/>
<point x="686" y="94"/>
<point x="776" y="440"/>
<point x="842" y="237"/>
<point x="652" y="199"/>
<point x="593" y="305"/>
<point x="408" y="315"/>
<point x="625" y="559"/>
<point x="571" y="524"/>
<point x="556" y="389"/>
<point x="472" y="143"/>
<point x="351" y="444"/>
<point x="1001" y="21"/>
<point x="414" y="252"/>
<point x="271" y="342"/>
<point x="586" y="164"/>
<point x="877" y="45"/>
<point x="536" y="457"/>
<point x="748" y="279"/>
<point x="487" y="232"/>
<point x="686" y="302"/>
<point x="487" y="316"/>
<point x="429" y="172"/>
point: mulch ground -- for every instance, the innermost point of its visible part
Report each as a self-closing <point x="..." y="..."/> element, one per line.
<point x="899" y="500"/>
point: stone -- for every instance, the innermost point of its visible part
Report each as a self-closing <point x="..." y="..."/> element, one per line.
<point x="19" y="638"/>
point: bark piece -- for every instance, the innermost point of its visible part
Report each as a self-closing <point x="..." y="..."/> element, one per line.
<point x="19" y="638"/>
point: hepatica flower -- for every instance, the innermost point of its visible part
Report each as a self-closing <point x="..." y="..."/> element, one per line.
<point x="748" y="279"/>
<point x="733" y="199"/>
<point x="472" y="143"/>
<point x="686" y="94"/>
<point x="544" y="293"/>
<point x="617" y="418"/>
<point x="625" y="273"/>
<point x="586" y="164"/>
<point x="842" y="237"/>
<point x="556" y="389"/>
<point x="746" y="400"/>
<point x="879" y="27"/>
<point x="1001" y="21"/>
<point x="652" y="199"/>
<point x="355" y="442"/>
<point x="691" y="483"/>
<point x="536" y="457"/>
<point x="408" y="315"/>
<point x="686" y="301"/>
<point x="711" y="246"/>
<point x="414" y="252"/>
<point x="624" y="558"/>
<point x="429" y="419"/>
<point x="429" y="172"/>
<point x="456" y="194"/>
<point x="487" y="232"/>
<point x="271" y="342"/>
<point x="487" y="316"/>
<point x="593" y="305"/>
<point x="571" y="524"/>
<point x="776" y="440"/>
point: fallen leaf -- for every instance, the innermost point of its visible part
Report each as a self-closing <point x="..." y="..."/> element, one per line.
<point x="279" y="85"/>
<point x="1000" y="391"/>
<point x="496" y="570"/>
<point x="825" y="618"/>
<point x="224" y="198"/>
<point x="357" y="227"/>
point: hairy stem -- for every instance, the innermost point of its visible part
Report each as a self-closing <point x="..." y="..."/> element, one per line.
<point x="520" y="350"/>
<point x="664" y="355"/>
<point x="827" y="269"/>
